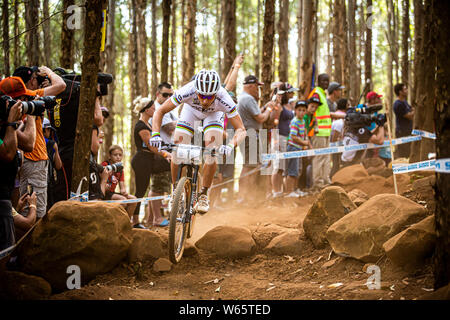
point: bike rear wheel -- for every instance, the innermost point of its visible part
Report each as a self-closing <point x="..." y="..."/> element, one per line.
<point x="178" y="223"/>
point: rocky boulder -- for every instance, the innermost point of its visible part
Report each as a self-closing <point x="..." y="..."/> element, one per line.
<point x="162" y="265"/>
<point x="146" y="245"/>
<point x="228" y="241"/>
<point x="350" y="175"/>
<point x="331" y="205"/>
<point x="93" y="236"/>
<point x="362" y="233"/>
<point x="288" y="243"/>
<point x="20" y="286"/>
<point x="358" y="197"/>
<point x="265" y="233"/>
<point x="411" y="247"/>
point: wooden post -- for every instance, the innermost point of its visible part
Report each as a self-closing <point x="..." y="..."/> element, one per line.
<point x="390" y="148"/>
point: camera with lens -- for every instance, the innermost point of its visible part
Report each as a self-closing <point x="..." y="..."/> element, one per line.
<point x="34" y="107"/>
<point x="364" y="116"/>
<point x="116" y="167"/>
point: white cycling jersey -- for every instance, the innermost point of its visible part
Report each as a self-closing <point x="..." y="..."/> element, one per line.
<point x="192" y="113"/>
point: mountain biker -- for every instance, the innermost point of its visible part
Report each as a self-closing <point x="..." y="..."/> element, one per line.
<point x="204" y="100"/>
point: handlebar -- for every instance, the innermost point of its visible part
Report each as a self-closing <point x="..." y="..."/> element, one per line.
<point x="169" y="147"/>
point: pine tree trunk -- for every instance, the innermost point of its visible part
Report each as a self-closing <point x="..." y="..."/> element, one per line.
<point x="110" y="59"/>
<point x="5" y="20"/>
<point x="368" y="50"/>
<point x="345" y="60"/>
<point x="258" y="43"/>
<point x="154" y="51"/>
<point x="419" y="67"/>
<point x="142" y="49"/>
<point x="47" y="34"/>
<point x="299" y="39"/>
<point x="390" y="35"/>
<point x="337" y="40"/>
<point x="189" y="50"/>
<point x="353" y="88"/>
<point x="229" y="36"/>
<point x="165" y="40"/>
<point x="67" y="39"/>
<point x="16" y="39"/>
<point x="89" y="68"/>
<point x="405" y="43"/>
<point x="32" y="19"/>
<point x="267" y="49"/>
<point x="283" y="35"/>
<point x="441" y="12"/>
<point x="307" y="49"/>
<point x="173" y="43"/>
<point x="219" y="19"/>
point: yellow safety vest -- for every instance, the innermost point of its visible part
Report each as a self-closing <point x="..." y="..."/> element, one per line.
<point x="322" y="113"/>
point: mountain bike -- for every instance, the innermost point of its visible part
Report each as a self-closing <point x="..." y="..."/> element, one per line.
<point x="182" y="214"/>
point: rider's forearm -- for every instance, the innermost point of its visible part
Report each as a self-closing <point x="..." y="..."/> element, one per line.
<point x="238" y="137"/>
<point x="157" y="119"/>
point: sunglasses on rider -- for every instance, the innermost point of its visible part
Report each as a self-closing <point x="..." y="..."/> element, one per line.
<point x="201" y="96"/>
<point x="166" y="94"/>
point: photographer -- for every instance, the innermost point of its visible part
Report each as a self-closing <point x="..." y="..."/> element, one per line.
<point x="9" y="164"/>
<point x="64" y="118"/>
<point x="35" y="166"/>
<point x="361" y="125"/>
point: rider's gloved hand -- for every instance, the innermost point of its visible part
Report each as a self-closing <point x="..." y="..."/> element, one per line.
<point x="155" y="141"/>
<point x="226" y="149"/>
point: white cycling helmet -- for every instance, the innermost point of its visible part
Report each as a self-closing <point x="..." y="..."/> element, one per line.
<point x="207" y="82"/>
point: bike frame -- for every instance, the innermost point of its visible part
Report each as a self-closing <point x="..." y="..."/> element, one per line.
<point x="192" y="174"/>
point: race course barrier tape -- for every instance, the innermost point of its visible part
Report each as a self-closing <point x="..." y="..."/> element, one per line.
<point x="330" y="150"/>
<point x="424" y="134"/>
<point x="441" y="166"/>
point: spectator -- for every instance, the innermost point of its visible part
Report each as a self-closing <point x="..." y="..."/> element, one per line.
<point x="35" y="166"/>
<point x="297" y="140"/>
<point x="372" y="99"/>
<point x="321" y="164"/>
<point x="9" y="164"/>
<point x="404" y="116"/>
<point x="334" y="94"/>
<point x="54" y="163"/>
<point x="385" y="153"/>
<point x="118" y="177"/>
<point x="97" y="173"/>
<point x="23" y="224"/>
<point x="161" y="182"/>
<point x="279" y="141"/>
<point x="291" y="91"/>
<point x="356" y="135"/>
<point x="253" y="118"/>
<point x="311" y="129"/>
<point x="337" y="133"/>
<point x="147" y="160"/>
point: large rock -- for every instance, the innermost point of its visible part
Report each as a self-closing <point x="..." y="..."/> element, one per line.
<point x="350" y="175"/>
<point x="373" y="162"/>
<point x="358" y="197"/>
<point x="93" y="236"/>
<point x="146" y="245"/>
<point x="228" y="241"/>
<point x="332" y="204"/>
<point x="361" y="233"/>
<point x="265" y="233"/>
<point x="20" y="286"/>
<point x="411" y="247"/>
<point x="288" y="243"/>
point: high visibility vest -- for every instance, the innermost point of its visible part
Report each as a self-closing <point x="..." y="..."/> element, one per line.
<point x="322" y="113"/>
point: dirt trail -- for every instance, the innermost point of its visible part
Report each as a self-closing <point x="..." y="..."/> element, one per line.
<point x="262" y="276"/>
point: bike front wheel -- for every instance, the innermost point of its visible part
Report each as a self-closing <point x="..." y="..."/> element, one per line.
<point x="178" y="221"/>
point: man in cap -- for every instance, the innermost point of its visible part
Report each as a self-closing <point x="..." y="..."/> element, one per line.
<point x="321" y="164"/>
<point x="334" y="94"/>
<point x="253" y="118"/>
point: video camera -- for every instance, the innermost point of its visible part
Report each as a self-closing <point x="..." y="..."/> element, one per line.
<point x="103" y="79"/>
<point x="363" y="116"/>
<point x="34" y="107"/>
<point x="116" y="167"/>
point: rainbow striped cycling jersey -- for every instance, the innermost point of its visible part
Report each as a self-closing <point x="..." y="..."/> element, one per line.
<point x="188" y="95"/>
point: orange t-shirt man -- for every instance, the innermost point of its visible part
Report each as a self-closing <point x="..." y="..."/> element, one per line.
<point x="40" y="150"/>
